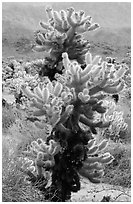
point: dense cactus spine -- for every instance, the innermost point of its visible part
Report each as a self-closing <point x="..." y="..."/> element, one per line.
<point x="62" y="30"/>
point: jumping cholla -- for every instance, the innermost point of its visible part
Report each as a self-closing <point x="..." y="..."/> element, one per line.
<point x="66" y="104"/>
<point x="63" y="33"/>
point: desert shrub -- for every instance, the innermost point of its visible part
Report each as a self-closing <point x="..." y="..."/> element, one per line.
<point x="8" y="117"/>
<point x="119" y="171"/>
<point x="14" y="187"/>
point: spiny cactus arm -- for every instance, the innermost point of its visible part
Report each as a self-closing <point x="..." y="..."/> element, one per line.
<point x="88" y="122"/>
<point x="87" y="18"/>
<point x="113" y="90"/>
<point x="92" y="124"/>
<point x="57" y="17"/>
<point x="65" y="24"/>
<point x="69" y="17"/>
<point x="99" y="109"/>
<point x="93" y="27"/>
<point x="46" y="26"/>
<point x="94" y="90"/>
<point x="114" y="83"/>
<point x="66" y="114"/>
<point x="102" y="145"/>
<point x="60" y="127"/>
<point x="85" y="174"/>
<point x="27" y="92"/>
<point x="49" y="12"/>
<point x="93" y="150"/>
<point x="106" y="158"/>
<point x="120" y="73"/>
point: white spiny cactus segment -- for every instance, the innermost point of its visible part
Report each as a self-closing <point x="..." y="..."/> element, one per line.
<point x="70" y="17"/>
<point x="50" y="35"/>
<point x="86" y="77"/>
<point x="51" y="146"/>
<point x="56" y="150"/>
<point x="93" y="150"/>
<point x="80" y="29"/>
<point x="49" y="12"/>
<point x="66" y="61"/>
<point x="55" y="119"/>
<point x="50" y="87"/>
<point x="84" y="98"/>
<point x="44" y="25"/>
<point x="41" y="37"/>
<point x="96" y="60"/>
<point x="115" y="82"/>
<point x="35" y="146"/>
<point x="88" y="58"/>
<point x="57" y="17"/>
<point x="102" y="145"/>
<point x="91" y="143"/>
<point x="81" y="14"/>
<point x="93" y="27"/>
<point x="69" y="109"/>
<point x="120" y="73"/>
<point x="49" y="109"/>
<point x="44" y="148"/>
<point x="87" y="25"/>
<point x="59" y="28"/>
<point x="87" y="18"/>
<point x="63" y="15"/>
<point x="107" y="159"/>
<point x="65" y="25"/>
<point x="39" y="48"/>
<point x="92" y="166"/>
<point x="26" y="90"/>
<point x="91" y="159"/>
<point x="77" y="17"/>
<point x="38" y="92"/>
<point x="113" y="90"/>
<point x="70" y="11"/>
<point x="32" y="169"/>
<point x="95" y="71"/>
<point x="85" y="91"/>
<point x="27" y="163"/>
<point x="86" y="70"/>
<point x="58" y="89"/>
<point x="46" y="94"/>
<point x="36" y="103"/>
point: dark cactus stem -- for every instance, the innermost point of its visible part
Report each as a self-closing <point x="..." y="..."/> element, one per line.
<point x="51" y="66"/>
<point x="65" y="178"/>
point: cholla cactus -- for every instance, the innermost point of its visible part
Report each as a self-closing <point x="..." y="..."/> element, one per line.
<point x="75" y="99"/>
<point x="49" y="98"/>
<point x="42" y="160"/>
<point x="63" y="33"/>
<point x="92" y="168"/>
<point x="117" y="126"/>
<point x="14" y="76"/>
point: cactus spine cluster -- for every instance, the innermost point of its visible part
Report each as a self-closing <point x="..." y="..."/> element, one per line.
<point x="67" y="104"/>
<point x="63" y="33"/>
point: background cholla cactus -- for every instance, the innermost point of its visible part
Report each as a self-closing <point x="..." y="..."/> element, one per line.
<point x="14" y="75"/>
<point x="118" y="124"/>
<point x="38" y="168"/>
<point x="75" y="100"/>
<point x="63" y="33"/>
